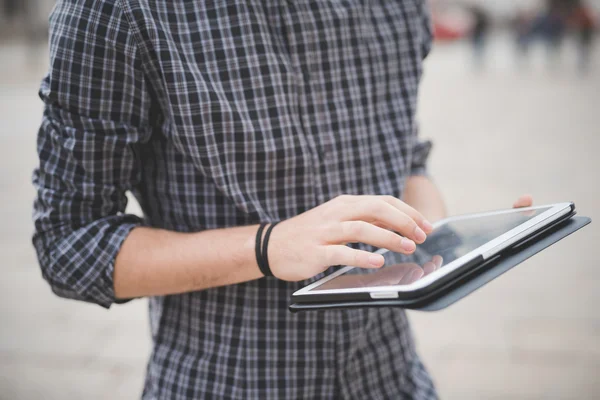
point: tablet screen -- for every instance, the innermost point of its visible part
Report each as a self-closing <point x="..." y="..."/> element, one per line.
<point x="444" y="245"/>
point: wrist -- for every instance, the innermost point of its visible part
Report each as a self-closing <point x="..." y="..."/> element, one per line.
<point x="249" y="251"/>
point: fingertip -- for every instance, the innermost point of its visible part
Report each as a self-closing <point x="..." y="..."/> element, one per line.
<point x="419" y="235"/>
<point x="408" y="245"/>
<point x="427" y="226"/>
<point x="525" y="200"/>
<point x="376" y="260"/>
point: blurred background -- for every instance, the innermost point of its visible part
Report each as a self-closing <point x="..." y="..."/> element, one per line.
<point x="511" y="99"/>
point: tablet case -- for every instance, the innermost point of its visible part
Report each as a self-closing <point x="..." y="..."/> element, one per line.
<point x="466" y="284"/>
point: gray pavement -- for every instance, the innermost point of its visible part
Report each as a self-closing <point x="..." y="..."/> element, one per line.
<point x="534" y="333"/>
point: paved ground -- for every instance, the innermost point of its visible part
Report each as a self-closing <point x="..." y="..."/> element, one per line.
<point x="500" y="132"/>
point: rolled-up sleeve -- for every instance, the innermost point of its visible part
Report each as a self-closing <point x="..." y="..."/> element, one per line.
<point x="95" y="118"/>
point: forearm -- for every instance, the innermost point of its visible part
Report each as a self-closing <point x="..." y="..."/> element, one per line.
<point x="155" y="262"/>
<point x="423" y="195"/>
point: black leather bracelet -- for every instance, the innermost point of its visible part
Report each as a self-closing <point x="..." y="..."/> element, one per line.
<point x="266" y="269"/>
<point x="257" y="247"/>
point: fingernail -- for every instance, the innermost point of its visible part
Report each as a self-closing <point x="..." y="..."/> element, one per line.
<point x="427" y="225"/>
<point x="420" y="235"/>
<point x="408" y="245"/>
<point x="375" y="260"/>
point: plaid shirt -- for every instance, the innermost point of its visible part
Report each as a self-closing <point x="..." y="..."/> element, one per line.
<point x="219" y="114"/>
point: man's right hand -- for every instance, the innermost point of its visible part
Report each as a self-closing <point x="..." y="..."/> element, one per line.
<point x="157" y="262"/>
<point x="306" y="245"/>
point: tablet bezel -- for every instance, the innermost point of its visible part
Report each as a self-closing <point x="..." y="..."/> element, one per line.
<point x="483" y="252"/>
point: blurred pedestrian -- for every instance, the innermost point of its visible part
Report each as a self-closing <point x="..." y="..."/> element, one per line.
<point x="12" y="8"/>
<point x="479" y="33"/>
<point x="550" y="25"/>
<point x="521" y="26"/>
<point x="585" y="25"/>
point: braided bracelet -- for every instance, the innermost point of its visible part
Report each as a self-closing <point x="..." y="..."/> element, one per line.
<point x="266" y="270"/>
<point x="261" y="248"/>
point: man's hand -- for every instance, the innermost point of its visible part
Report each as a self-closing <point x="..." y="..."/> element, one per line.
<point x="154" y="262"/>
<point x="306" y="245"/>
<point x="524" y="201"/>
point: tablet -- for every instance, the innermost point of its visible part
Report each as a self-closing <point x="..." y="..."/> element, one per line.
<point x="456" y="245"/>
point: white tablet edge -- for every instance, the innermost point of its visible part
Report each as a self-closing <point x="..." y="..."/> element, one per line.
<point x="490" y="248"/>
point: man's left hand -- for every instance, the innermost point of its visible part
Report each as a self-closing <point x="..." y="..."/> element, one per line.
<point x="523" y="201"/>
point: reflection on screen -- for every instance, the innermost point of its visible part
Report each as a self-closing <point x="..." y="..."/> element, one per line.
<point x="445" y="244"/>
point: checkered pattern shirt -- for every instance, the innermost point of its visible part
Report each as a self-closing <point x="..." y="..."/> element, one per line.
<point x="225" y="113"/>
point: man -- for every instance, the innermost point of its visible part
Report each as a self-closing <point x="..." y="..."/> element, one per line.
<point x="219" y="116"/>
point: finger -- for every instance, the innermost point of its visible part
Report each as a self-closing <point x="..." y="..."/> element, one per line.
<point x="395" y="202"/>
<point x="411" y="212"/>
<point x="344" y="255"/>
<point x="523" y="201"/>
<point x="364" y="232"/>
<point x="375" y="210"/>
<point x="437" y="260"/>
